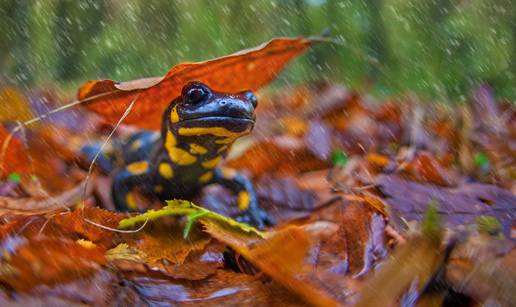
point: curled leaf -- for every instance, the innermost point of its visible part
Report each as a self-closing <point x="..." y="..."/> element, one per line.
<point x="245" y="70"/>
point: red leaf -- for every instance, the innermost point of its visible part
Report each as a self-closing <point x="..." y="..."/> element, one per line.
<point x="245" y="70"/>
<point x="13" y="159"/>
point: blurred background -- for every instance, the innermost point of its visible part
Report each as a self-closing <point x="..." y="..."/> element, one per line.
<point x="439" y="50"/>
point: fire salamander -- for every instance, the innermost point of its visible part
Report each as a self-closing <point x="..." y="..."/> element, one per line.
<point x="198" y="129"/>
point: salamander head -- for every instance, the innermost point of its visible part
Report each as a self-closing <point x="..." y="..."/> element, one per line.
<point x="202" y="111"/>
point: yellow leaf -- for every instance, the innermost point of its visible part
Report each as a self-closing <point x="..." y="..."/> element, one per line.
<point x="180" y="207"/>
<point x="124" y="252"/>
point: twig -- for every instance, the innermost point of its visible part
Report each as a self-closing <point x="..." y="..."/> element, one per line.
<point x="90" y="169"/>
<point x="114" y="229"/>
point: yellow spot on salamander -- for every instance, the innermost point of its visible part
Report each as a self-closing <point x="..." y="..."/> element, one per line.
<point x="206" y="177"/>
<point x="170" y="140"/>
<point x="211" y="163"/>
<point x="181" y="157"/>
<point x="222" y="148"/>
<point x="228" y="173"/>
<point x="243" y="200"/>
<point x="131" y="202"/>
<point x="174" y="117"/>
<point x="165" y="170"/>
<point x="158" y="188"/>
<point x="178" y="155"/>
<point x="138" y="168"/>
<point x="136" y="145"/>
<point x="198" y="149"/>
<point x="228" y="140"/>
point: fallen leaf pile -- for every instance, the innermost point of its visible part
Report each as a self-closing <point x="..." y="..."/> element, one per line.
<point x="375" y="204"/>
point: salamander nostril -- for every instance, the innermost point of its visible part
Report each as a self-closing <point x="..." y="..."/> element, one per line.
<point x="223" y="102"/>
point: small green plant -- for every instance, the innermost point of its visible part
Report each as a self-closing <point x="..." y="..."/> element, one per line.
<point x="14" y="177"/>
<point x="339" y="158"/>
<point x="481" y="160"/>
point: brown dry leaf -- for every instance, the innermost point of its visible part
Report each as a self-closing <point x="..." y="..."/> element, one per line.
<point x="425" y="168"/>
<point x="281" y="256"/>
<point x="245" y="70"/>
<point x="359" y="243"/>
<point x="160" y="247"/>
<point x="277" y="156"/>
<point x="224" y="288"/>
<point x="165" y="240"/>
<point x="408" y="200"/>
<point x="482" y="267"/>
<point x="414" y="262"/>
<point x="42" y="204"/>
<point x="74" y="223"/>
<point x="286" y="192"/>
<point x="28" y="226"/>
<point x="197" y="266"/>
<point x="69" y="225"/>
<point x="28" y="263"/>
<point x="376" y="203"/>
<point x="95" y="290"/>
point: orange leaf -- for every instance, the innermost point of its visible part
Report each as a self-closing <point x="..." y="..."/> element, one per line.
<point x="14" y="105"/>
<point x="74" y="223"/>
<point x="248" y="69"/>
<point x="43" y="203"/>
<point x="271" y="156"/>
<point x="282" y="256"/>
<point x="69" y="225"/>
<point x="48" y="261"/>
<point x="12" y="155"/>
<point x="426" y="168"/>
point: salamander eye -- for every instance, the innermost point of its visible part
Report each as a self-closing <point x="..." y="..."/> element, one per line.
<point x="195" y="95"/>
<point x="251" y="97"/>
<point x="194" y="92"/>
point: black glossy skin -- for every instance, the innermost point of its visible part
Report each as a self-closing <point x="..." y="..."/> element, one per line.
<point x="169" y="166"/>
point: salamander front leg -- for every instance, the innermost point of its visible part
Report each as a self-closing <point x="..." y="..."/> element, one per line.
<point x="247" y="198"/>
<point x="124" y="181"/>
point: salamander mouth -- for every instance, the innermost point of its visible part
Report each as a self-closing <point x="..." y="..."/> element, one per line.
<point x="231" y="123"/>
<point x="219" y="119"/>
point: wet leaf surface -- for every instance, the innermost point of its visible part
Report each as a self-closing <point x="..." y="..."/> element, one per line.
<point x="46" y="261"/>
<point x="245" y="70"/>
<point x="458" y="206"/>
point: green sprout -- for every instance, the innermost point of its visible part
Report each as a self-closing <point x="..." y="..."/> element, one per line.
<point x="339" y="158"/>
<point x="14" y="177"/>
<point x="488" y="225"/>
<point x="431" y="224"/>
<point x="481" y="160"/>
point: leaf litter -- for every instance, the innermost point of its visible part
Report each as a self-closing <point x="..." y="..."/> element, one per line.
<point x="391" y="203"/>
